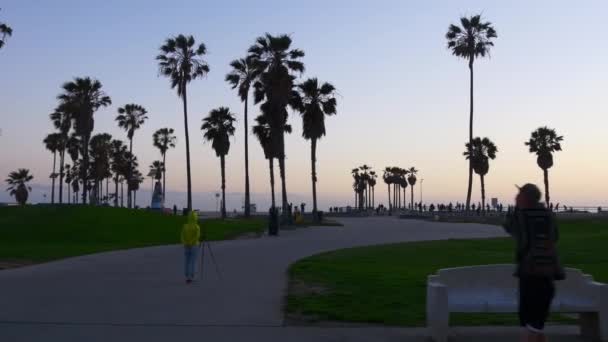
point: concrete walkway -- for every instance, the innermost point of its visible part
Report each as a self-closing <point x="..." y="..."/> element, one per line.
<point x="140" y="295"/>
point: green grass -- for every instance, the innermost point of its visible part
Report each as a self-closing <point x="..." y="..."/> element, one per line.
<point x="387" y="284"/>
<point x="43" y="233"/>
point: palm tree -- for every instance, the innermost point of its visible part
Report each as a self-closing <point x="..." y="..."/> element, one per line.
<point x="133" y="184"/>
<point x="68" y="180"/>
<point x="130" y="118"/>
<point x="365" y="177"/>
<point x="262" y="133"/>
<point x="5" y="31"/>
<point x="62" y="120"/>
<point x="82" y="97"/>
<point x="164" y="140"/>
<point x="118" y="160"/>
<point x="53" y="143"/>
<point x="412" y="180"/>
<point x="243" y="74"/>
<point x="17" y="185"/>
<point x="403" y="184"/>
<point x="387" y="176"/>
<point x="479" y="152"/>
<point x="180" y="62"/>
<point x="472" y="40"/>
<point x="372" y="183"/>
<point x="314" y="101"/>
<point x="274" y="62"/>
<point x="544" y="141"/>
<point x="156" y="169"/>
<point x="100" y="151"/>
<point x="218" y="128"/>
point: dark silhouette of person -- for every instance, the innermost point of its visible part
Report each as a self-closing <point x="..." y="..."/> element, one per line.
<point x="174" y="209"/>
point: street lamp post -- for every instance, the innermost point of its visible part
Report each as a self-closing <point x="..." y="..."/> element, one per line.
<point x="421" y="180"/>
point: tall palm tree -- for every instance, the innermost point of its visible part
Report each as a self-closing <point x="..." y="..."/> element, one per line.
<point x="182" y="62"/>
<point x="355" y="174"/>
<point x="275" y="62"/>
<point x="372" y="184"/>
<point x="17" y="185"/>
<point x="470" y="41"/>
<point x="68" y="180"/>
<point x="133" y="184"/>
<point x="412" y="180"/>
<point x="243" y="74"/>
<point x="83" y="96"/>
<point x="544" y="141"/>
<point x="62" y="120"/>
<point x="164" y="139"/>
<point x="314" y="101"/>
<point x="156" y="169"/>
<point x="5" y="31"/>
<point x="53" y="143"/>
<point x="130" y="118"/>
<point x="364" y="178"/>
<point x="479" y="152"/>
<point x="387" y="176"/>
<point x="218" y="128"/>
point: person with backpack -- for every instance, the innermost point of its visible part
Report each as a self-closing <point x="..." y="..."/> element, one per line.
<point x="535" y="230"/>
<point x="190" y="236"/>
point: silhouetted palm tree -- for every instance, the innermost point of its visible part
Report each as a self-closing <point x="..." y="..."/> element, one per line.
<point x="164" y="140"/>
<point x="218" y="128"/>
<point x="355" y="174"/>
<point x="100" y="152"/>
<point x="53" y="142"/>
<point x="62" y="120"/>
<point x="544" y="141"/>
<point x="479" y="153"/>
<point x="387" y="176"/>
<point x="182" y="63"/>
<point x="412" y="180"/>
<point x="118" y="161"/>
<point x="242" y="76"/>
<point x="314" y="101"/>
<point x="471" y="41"/>
<point x="130" y="118"/>
<point x="372" y="184"/>
<point x="82" y="97"/>
<point x="5" y="31"/>
<point x="275" y="61"/>
<point x="17" y="185"/>
<point x="262" y="133"/>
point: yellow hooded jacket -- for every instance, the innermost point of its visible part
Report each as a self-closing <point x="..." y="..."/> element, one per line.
<point x="191" y="232"/>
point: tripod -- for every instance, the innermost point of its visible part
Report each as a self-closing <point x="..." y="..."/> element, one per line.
<point x="217" y="269"/>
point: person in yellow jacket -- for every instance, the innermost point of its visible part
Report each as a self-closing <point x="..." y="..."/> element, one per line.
<point x="191" y="234"/>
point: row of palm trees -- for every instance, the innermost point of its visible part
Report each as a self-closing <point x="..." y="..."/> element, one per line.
<point x="270" y="68"/>
<point x="364" y="182"/>
<point x="471" y="40"/>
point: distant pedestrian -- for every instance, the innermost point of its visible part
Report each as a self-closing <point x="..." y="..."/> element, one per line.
<point x="174" y="209"/>
<point x="191" y="234"/>
<point x="535" y="230"/>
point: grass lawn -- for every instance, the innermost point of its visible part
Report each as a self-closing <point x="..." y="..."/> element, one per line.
<point x="387" y="284"/>
<point x="43" y="233"/>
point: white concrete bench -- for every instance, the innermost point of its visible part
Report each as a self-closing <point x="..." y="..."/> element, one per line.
<point x="493" y="289"/>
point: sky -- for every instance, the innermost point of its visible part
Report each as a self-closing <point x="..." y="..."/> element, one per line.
<point x="402" y="96"/>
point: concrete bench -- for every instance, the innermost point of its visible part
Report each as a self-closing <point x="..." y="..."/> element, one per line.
<point x="493" y="289"/>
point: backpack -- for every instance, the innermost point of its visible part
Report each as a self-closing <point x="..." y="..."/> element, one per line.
<point x="540" y="257"/>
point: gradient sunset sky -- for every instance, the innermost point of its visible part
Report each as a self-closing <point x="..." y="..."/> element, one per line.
<point x="403" y="98"/>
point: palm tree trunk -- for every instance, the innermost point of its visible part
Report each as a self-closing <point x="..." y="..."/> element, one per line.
<point x="61" y="159"/>
<point x="313" y="160"/>
<point x="108" y="190"/>
<point x="130" y="175"/>
<point x="546" y="177"/>
<point x="223" y="168"/>
<point x="470" y="186"/>
<point x="247" y="198"/>
<point x="164" y="178"/>
<point x="412" y="199"/>
<point x="85" y="167"/>
<point x="134" y="199"/>
<point x="283" y="185"/>
<point x="184" y="98"/>
<point x="53" y="179"/>
<point x="271" y="167"/>
<point x="483" y="193"/>
<point x="389" y="197"/>
<point x="116" y="192"/>
<point x="122" y="193"/>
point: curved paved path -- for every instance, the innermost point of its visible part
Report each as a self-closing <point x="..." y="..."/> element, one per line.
<point x="141" y="291"/>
